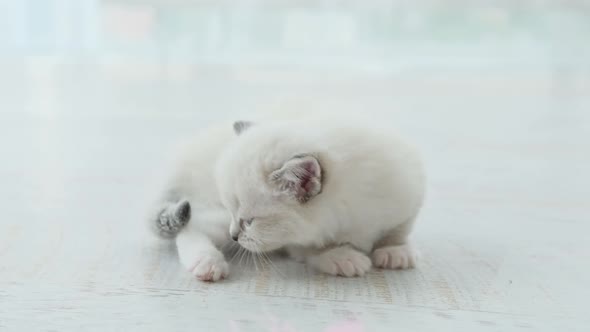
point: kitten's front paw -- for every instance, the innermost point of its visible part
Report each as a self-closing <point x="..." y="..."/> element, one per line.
<point x="395" y="257"/>
<point x="210" y="267"/>
<point x="342" y="261"/>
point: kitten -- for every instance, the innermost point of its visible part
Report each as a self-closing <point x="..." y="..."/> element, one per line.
<point x="300" y="200"/>
<point x="332" y="193"/>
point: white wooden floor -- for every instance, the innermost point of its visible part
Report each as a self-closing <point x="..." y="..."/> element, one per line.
<point x="504" y="235"/>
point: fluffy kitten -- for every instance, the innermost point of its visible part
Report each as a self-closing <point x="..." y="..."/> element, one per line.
<point x="331" y="192"/>
<point x="328" y="193"/>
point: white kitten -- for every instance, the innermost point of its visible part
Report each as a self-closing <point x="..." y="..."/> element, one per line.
<point x="330" y="192"/>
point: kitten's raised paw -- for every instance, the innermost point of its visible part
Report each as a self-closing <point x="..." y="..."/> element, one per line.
<point x="210" y="268"/>
<point x="341" y="261"/>
<point x="395" y="257"/>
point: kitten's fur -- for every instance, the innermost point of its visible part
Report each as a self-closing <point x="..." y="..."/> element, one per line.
<point x="330" y="192"/>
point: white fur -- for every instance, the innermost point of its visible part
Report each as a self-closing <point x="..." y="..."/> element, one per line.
<point x="372" y="189"/>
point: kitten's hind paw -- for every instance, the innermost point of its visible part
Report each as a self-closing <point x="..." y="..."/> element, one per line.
<point x="395" y="257"/>
<point x="209" y="267"/>
<point x="341" y="261"/>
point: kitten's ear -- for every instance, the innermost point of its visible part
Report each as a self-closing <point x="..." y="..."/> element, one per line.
<point x="300" y="178"/>
<point x="241" y="126"/>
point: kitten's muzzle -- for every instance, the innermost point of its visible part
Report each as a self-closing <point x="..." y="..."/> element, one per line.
<point x="234" y="233"/>
<point x="243" y="223"/>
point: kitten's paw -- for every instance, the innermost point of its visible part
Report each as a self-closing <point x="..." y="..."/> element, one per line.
<point x="341" y="261"/>
<point x="395" y="257"/>
<point x="209" y="267"/>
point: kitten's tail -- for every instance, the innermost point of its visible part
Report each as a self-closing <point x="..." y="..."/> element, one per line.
<point x="172" y="218"/>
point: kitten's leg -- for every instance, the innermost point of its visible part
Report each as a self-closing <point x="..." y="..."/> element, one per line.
<point x="200" y="256"/>
<point x="343" y="261"/>
<point x="394" y="251"/>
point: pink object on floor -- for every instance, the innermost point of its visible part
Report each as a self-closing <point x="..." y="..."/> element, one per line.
<point x="348" y="326"/>
<point x="281" y="326"/>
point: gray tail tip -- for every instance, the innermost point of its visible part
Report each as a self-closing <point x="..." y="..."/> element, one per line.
<point x="172" y="219"/>
<point x="182" y="212"/>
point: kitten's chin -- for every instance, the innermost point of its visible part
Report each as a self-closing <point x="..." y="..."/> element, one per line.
<point x="260" y="247"/>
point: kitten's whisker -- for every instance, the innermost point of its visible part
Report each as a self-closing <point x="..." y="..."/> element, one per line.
<point x="243" y="253"/>
<point x="229" y="248"/>
<point x="264" y="259"/>
<point x="260" y="258"/>
<point x="228" y="245"/>
<point x="247" y="258"/>
<point x="254" y="255"/>
<point x="251" y="261"/>
<point x="272" y="265"/>
<point x="236" y="254"/>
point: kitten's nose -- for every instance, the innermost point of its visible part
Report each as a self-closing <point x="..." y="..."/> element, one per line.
<point x="234" y="233"/>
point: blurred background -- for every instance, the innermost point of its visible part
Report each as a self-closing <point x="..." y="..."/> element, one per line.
<point x="207" y="56"/>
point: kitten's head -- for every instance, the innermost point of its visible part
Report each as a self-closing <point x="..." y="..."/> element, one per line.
<point x="265" y="187"/>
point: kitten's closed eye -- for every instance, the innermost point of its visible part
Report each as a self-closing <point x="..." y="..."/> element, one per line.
<point x="245" y="223"/>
